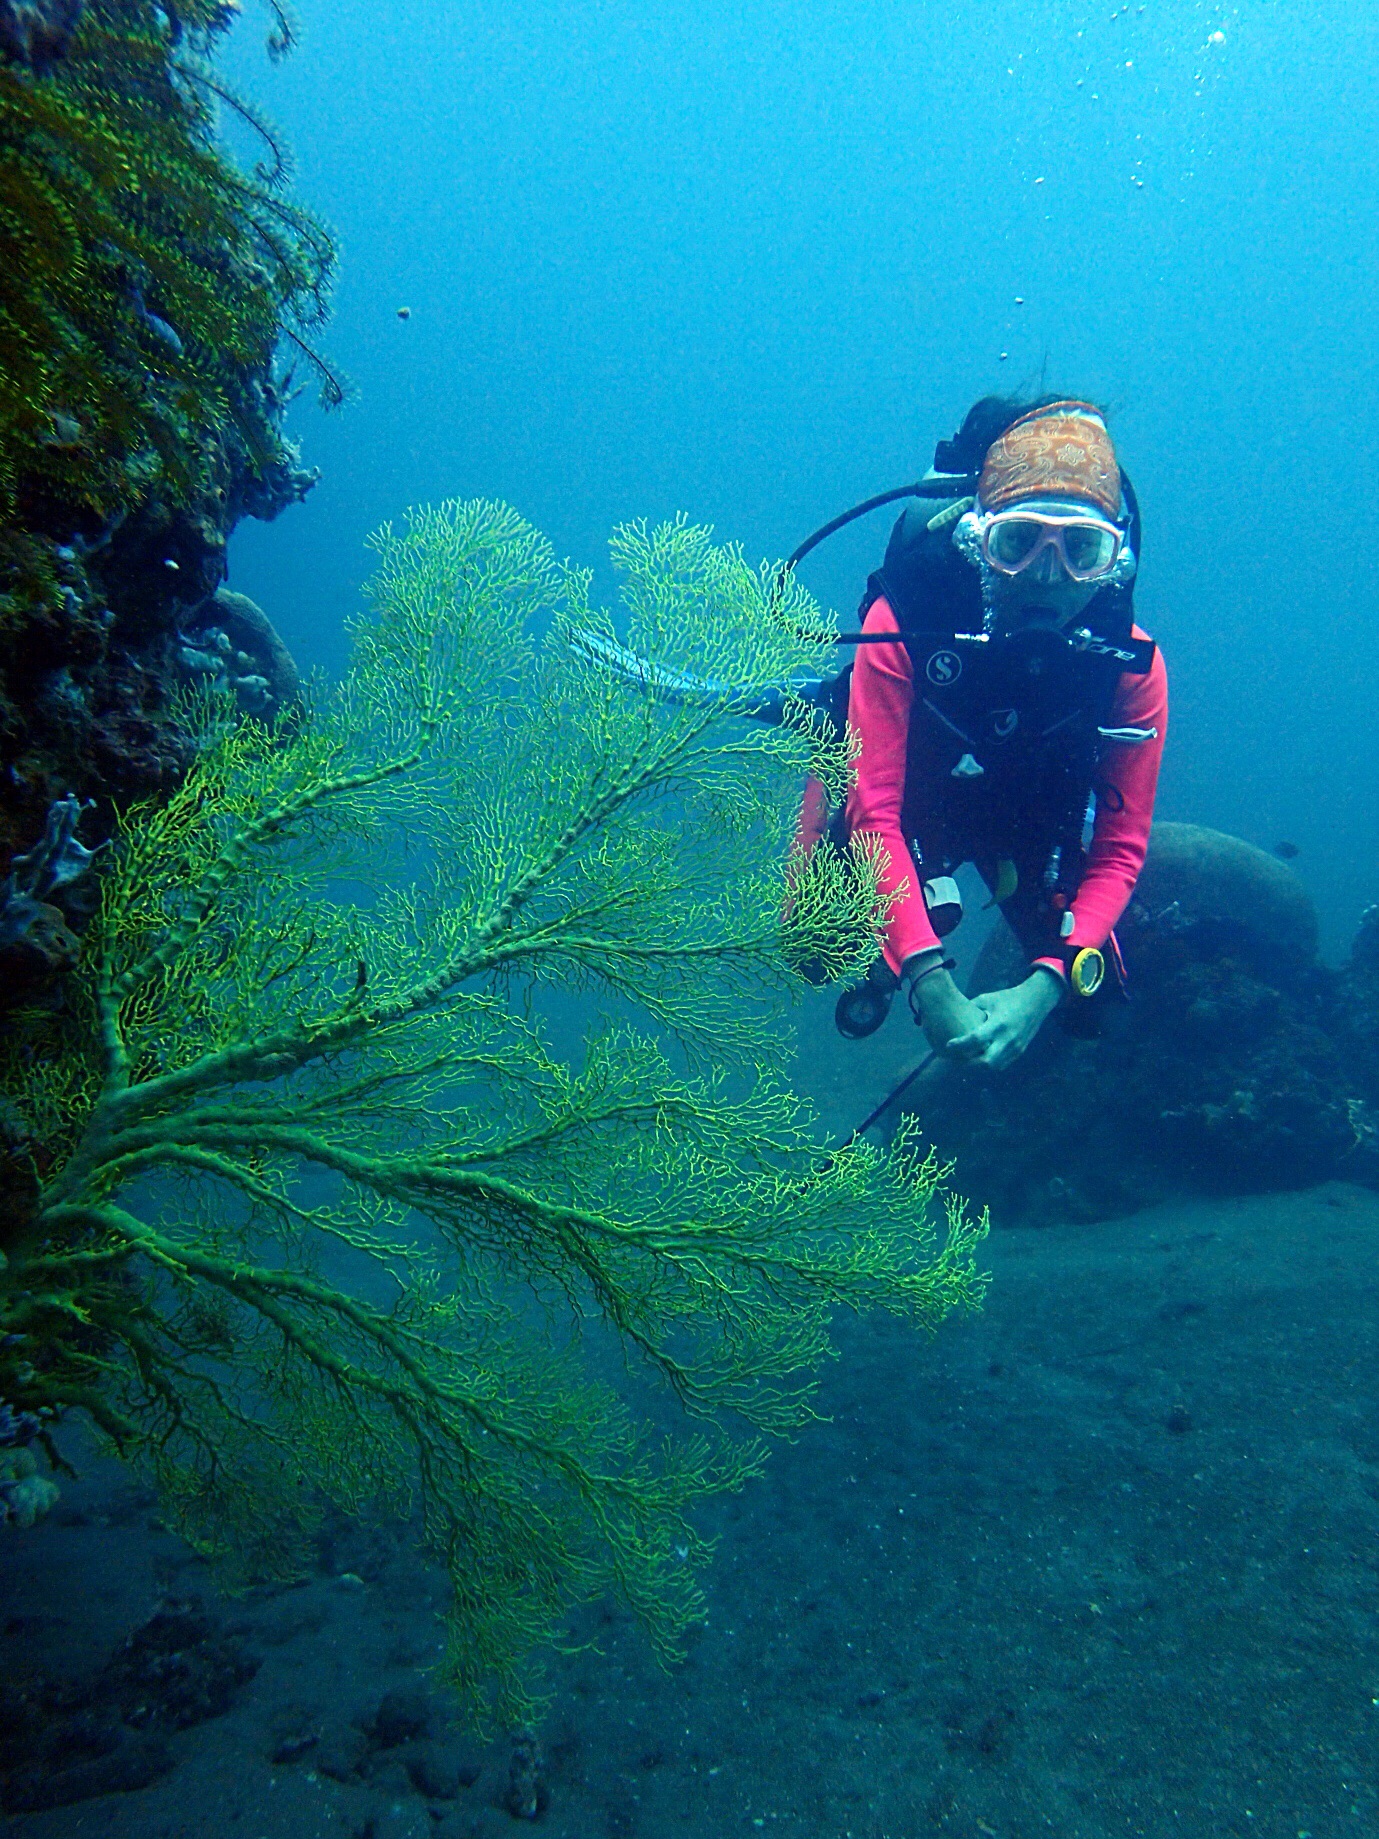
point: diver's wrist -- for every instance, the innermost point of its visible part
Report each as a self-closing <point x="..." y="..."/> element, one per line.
<point x="931" y="985"/>
<point x="923" y="964"/>
<point x="1055" y="978"/>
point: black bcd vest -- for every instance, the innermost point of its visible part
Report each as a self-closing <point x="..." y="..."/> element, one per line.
<point x="1005" y="739"/>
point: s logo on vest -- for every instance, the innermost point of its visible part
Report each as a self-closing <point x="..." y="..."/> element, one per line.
<point x="1004" y="722"/>
<point x="943" y="668"/>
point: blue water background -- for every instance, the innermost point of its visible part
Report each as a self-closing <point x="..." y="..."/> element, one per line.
<point x="749" y="261"/>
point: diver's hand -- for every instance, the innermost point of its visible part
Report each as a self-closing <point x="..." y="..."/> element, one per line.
<point x="939" y="1006"/>
<point x="1010" y="1020"/>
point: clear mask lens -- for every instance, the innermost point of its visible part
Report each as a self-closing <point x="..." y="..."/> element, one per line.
<point x="1087" y="549"/>
<point x="1012" y="543"/>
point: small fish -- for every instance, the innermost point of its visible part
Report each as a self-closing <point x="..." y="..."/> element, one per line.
<point x="64" y="429"/>
<point x="152" y="322"/>
<point x="1287" y="852"/>
<point x="404" y="312"/>
<point x="164" y="333"/>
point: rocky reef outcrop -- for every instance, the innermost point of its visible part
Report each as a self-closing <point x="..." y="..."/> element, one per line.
<point x="1238" y="1062"/>
<point x="104" y="622"/>
<point x="105" y="1730"/>
<point x="147" y="290"/>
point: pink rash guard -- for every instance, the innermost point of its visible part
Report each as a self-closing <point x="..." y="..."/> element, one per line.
<point x="879" y="710"/>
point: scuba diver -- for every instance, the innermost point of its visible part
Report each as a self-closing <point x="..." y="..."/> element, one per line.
<point x="1010" y="714"/>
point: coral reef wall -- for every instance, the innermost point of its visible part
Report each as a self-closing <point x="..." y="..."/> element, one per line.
<point x="146" y="287"/>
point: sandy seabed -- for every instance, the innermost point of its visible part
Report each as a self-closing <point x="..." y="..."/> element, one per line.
<point x="1099" y="1562"/>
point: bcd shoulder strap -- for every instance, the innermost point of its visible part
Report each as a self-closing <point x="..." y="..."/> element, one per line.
<point x="923" y="579"/>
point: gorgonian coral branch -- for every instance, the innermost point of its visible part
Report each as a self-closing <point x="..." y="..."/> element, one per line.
<point x="323" y="964"/>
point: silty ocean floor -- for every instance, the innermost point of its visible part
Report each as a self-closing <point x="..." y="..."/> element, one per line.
<point x="1099" y="1562"/>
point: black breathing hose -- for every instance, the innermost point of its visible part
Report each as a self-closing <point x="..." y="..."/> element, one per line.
<point x="797" y="556"/>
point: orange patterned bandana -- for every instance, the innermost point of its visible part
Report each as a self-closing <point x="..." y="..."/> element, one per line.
<point x="1062" y="451"/>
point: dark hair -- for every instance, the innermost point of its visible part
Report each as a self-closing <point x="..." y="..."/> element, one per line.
<point x="986" y="421"/>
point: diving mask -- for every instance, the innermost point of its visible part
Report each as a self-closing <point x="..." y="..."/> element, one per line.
<point x="1090" y="548"/>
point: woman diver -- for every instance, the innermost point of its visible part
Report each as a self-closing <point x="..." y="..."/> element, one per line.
<point x="1010" y="714"/>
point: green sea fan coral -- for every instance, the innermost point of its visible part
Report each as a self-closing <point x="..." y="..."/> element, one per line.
<point x="428" y="1119"/>
<point x="141" y="272"/>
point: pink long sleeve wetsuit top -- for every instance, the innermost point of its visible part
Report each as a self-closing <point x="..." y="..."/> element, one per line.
<point x="879" y="710"/>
